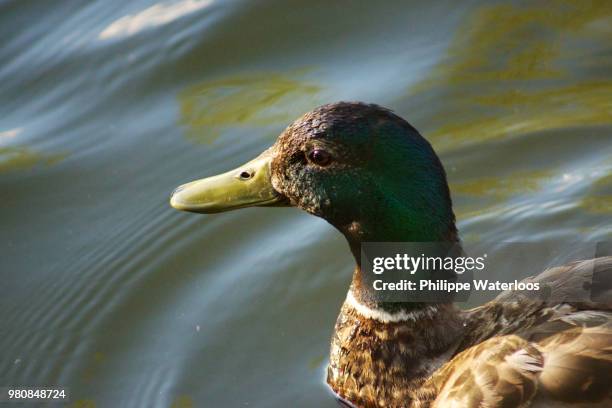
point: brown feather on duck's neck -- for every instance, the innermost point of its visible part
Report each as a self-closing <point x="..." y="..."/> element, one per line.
<point x="382" y="353"/>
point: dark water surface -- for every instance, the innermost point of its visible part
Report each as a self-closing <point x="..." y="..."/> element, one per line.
<point x="106" y="106"/>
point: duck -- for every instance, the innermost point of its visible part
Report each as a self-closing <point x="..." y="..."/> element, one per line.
<point x="372" y="176"/>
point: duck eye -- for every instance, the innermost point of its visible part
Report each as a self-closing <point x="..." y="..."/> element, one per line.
<point x="319" y="157"/>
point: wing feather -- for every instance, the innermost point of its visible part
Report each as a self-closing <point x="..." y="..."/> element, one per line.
<point x="519" y="351"/>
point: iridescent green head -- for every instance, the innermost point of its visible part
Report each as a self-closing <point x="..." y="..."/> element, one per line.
<point x="362" y="168"/>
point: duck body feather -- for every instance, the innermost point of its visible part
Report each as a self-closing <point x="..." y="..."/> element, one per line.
<point x="515" y="351"/>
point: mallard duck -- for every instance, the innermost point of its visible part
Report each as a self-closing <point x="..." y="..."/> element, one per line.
<point x="372" y="176"/>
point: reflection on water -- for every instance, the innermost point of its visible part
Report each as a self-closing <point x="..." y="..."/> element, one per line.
<point x="515" y="69"/>
<point x="154" y="16"/>
<point x="19" y="158"/>
<point x="249" y="100"/>
<point x="108" y="291"/>
<point x="599" y="197"/>
<point x="500" y="188"/>
<point x="14" y="157"/>
<point x="183" y="402"/>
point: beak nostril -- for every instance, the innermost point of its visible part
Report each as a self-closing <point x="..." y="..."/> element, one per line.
<point x="245" y="175"/>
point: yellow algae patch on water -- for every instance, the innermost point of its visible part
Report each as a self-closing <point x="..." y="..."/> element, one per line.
<point x="522" y="68"/>
<point x="477" y="196"/>
<point x="597" y="204"/>
<point x="182" y="401"/>
<point x="20" y="158"/>
<point x="261" y="99"/>
<point x="504" y="186"/>
<point x="599" y="198"/>
<point x="93" y="365"/>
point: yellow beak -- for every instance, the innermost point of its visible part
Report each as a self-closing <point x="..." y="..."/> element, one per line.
<point x="247" y="186"/>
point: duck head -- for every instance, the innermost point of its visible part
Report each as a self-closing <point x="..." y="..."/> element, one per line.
<point x="359" y="166"/>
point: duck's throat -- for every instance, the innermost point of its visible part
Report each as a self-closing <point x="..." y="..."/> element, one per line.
<point x="396" y="230"/>
<point x="382" y="351"/>
<point x="379" y="357"/>
<point x="400" y="223"/>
